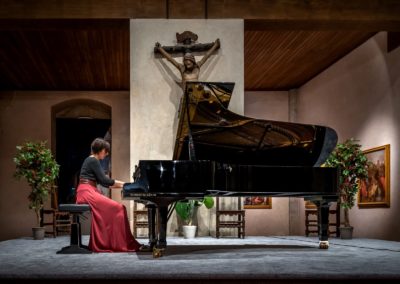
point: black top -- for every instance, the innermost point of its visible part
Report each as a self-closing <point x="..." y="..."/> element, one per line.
<point x="91" y="169"/>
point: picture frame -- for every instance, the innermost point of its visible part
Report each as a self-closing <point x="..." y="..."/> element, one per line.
<point x="257" y="202"/>
<point x="375" y="190"/>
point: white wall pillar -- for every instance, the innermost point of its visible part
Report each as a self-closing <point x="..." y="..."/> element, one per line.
<point x="155" y="94"/>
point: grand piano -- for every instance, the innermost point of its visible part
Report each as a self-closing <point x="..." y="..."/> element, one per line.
<point x="220" y="153"/>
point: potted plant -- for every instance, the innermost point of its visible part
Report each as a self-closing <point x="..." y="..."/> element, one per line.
<point x="35" y="163"/>
<point x="353" y="166"/>
<point x="186" y="211"/>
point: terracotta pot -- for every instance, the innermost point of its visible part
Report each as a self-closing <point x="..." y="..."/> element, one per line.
<point x="346" y="233"/>
<point x="38" y="233"/>
<point x="189" y="232"/>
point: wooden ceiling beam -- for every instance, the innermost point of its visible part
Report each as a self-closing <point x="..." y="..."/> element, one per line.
<point x="184" y="9"/>
<point x="328" y="10"/>
<point x="82" y="9"/>
<point x="63" y="24"/>
<point x="321" y="25"/>
<point x="289" y="14"/>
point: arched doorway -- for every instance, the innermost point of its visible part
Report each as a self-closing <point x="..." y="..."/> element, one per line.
<point x="75" y="124"/>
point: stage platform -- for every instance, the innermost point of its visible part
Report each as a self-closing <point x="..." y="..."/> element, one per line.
<point x="280" y="259"/>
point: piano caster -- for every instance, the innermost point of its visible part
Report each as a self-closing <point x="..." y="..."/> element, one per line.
<point x="158" y="252"/>
<point x="323" y="244"/>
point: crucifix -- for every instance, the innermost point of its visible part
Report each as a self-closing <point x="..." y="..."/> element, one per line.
<point x="189" y="68"/>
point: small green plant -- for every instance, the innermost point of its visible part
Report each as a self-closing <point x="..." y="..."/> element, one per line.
<point x="185" y="209"/>
<point x="35" y="163"/>
<point x="353" y="166"/>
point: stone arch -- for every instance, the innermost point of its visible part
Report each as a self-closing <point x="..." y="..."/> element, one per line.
<point x="77" y="108"/>
<point x="82" y="108"/>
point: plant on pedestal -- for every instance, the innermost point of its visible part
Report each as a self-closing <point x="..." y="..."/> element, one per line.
<point x="35" y="163"/>
<point x="353" y="166"/>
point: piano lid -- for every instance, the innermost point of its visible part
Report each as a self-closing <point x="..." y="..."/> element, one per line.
<point x="221" y="135"/>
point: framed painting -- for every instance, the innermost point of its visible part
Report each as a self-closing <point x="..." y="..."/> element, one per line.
<point x="375" y="190"/>
<point x="257" y="202"/>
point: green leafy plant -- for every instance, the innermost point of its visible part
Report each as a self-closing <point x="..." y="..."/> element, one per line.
<point x="35" y="163"/>
<point x="185" y="208"/>
<point x="353" y="166"/>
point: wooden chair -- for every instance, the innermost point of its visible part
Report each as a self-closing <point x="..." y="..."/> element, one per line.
<point x="311" y="221"/>
<point x="59" y="221"/>
<point x="140" y="219"/>
<point x="238" y="216"/>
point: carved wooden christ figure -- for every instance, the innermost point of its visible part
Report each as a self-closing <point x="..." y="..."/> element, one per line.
<point x="189" y="68"/>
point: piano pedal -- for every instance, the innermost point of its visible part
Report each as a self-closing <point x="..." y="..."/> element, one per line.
<point x="323" y="244"/>
<point x="158" y="252"/>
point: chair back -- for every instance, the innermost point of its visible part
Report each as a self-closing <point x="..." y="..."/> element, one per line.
<point x="232" y="204"/>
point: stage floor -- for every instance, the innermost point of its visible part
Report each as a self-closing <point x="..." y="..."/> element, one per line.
<point x="275" y="258"/>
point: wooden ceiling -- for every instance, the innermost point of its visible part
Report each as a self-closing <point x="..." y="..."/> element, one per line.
<point x="64" y="55"/>
<point x="283" y="60"/>
<point x="94" y="54"/>
<point x="84" y="44"/>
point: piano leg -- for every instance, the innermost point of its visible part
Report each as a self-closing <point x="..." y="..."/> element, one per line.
<point x="323" y="223"/>
<point x="151" y="215"/>
<point x="162" y="225"/>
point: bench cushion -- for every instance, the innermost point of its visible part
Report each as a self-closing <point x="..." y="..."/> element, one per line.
<point x="74" y="207"/>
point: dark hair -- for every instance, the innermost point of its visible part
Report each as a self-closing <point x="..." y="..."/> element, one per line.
<point x="99" y="144"/>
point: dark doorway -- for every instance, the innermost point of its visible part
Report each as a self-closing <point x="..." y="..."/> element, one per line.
<point x="74" y="137"/>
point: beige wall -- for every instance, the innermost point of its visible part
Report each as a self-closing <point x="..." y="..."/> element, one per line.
<point x="359" y="96"/>
<point x="275" y="221"/>
<point x="27" y="115"/>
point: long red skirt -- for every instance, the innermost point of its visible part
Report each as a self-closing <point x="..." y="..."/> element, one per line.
<point x="110" y="230"/>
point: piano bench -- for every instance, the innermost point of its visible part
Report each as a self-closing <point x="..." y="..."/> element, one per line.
<point x="75" y="246"/>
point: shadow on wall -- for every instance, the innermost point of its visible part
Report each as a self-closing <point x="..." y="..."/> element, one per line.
<point x="175" y="94"/>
